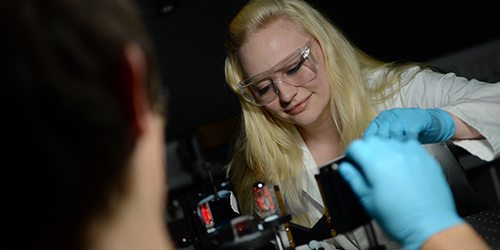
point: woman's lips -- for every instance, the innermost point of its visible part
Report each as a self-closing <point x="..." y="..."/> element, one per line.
<point x="297" y="108"/>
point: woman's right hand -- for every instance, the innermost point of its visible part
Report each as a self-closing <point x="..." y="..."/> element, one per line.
<point x="424" y="125"/>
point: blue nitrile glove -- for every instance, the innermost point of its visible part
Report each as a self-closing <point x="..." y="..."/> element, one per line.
<point x="402" y="187"/>
<point x="425" y="125"/>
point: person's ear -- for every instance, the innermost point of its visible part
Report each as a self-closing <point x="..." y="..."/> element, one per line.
<point x="132" y="80"/>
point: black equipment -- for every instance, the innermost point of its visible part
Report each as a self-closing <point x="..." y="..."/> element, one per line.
<point x="211" y="213"/>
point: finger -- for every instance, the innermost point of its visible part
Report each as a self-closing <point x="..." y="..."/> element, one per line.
<point x="355" y="179"/>
<point x="411" y="136"/>
<point x="384" y="127"/>
<point x="397" y="126"/>
<point x="364" y="152"/>
<point x="371" y="130"/>
<point x="361" y="154"/>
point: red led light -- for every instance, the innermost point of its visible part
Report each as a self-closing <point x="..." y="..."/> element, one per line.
<point x="264" y="199"/>
<point x="205" y="214"/>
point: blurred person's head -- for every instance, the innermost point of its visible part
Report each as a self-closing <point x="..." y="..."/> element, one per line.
<point x="84" y="126"/>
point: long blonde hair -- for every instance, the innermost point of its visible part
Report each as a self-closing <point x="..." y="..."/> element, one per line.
<point x="268" y="149"/>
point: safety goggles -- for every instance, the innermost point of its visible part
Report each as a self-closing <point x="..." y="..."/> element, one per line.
<point x="297" y="69"/>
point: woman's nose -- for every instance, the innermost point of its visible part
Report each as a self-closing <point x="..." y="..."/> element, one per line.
<point x="285" y="92"/>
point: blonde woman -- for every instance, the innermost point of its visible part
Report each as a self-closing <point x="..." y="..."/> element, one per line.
<point x="306" y="93"/>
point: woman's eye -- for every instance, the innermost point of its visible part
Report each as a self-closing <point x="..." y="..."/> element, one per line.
<point x="265" y="89"/>
<point x="295" y="69"/>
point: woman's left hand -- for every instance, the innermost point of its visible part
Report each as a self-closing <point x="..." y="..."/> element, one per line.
<point x="424" y="125"/>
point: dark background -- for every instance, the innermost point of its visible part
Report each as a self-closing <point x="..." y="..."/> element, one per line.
<point x="190" y="43"/>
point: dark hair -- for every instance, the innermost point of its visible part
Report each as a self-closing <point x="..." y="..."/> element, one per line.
<point x="68" y="135"/>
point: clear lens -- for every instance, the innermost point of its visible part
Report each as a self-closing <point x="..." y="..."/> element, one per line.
<point x="295" y="70"/>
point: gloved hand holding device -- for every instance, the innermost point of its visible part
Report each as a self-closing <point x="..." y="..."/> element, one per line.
<point x="424" y="125"/>
<point x="402" y="187"/>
